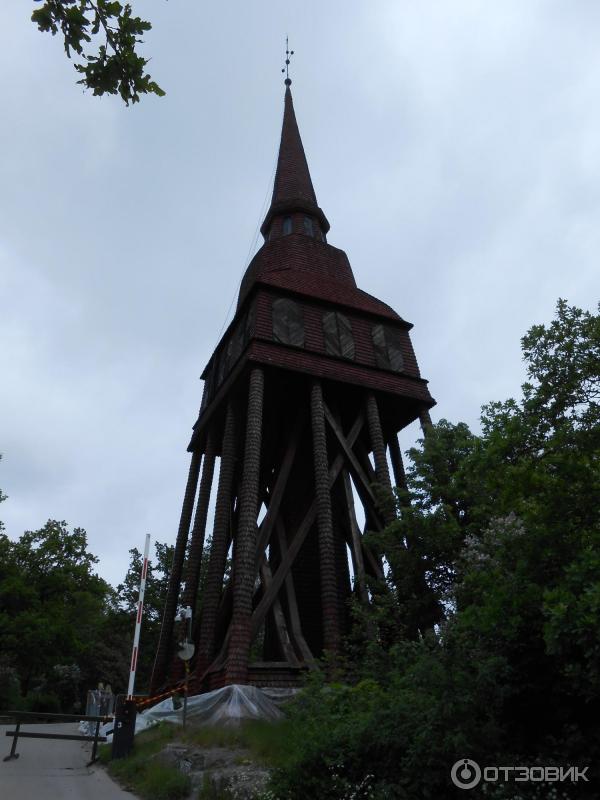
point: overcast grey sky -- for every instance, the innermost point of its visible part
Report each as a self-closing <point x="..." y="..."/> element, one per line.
<point x="453" y="145"/>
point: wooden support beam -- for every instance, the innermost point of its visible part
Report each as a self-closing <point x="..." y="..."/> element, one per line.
<point x="292" y="603"/>
<point x="196" y="548"/>
<point x="300" y="535"/>
<point x="396" y="459"/>
<point x="195" y="551"/>
<point x="382" y="472"/>
<point x="275" y="497"/>
<point x="244" y="570"/>
<point x="280" y="624"/>
<point x="220" y="543"/>
<point x="425" y="420"/>
<point x="350" y="456"/>
<point x="162" y="654"/>
<point x="357" y="545"/>
<point x="327" y="566"/>
<point x="372" y="512"/>
<point x="363" y="474"/>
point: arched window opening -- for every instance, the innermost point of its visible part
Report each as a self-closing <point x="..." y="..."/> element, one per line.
<point x="287" y="225"/>
<point x="308" y="226"/>
<point x="288" y="322"/>
<point x="337" y="332"/>
<point x="387" y="343"/>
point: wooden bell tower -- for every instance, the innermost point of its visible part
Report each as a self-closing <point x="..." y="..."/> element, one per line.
<point x="311" y="377"/>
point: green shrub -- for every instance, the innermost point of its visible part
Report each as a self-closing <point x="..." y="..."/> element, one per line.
<point x="42" y="701"/>
<point x="146" y="777"/>
<point x="10" y="688"/>
<point x="160" y="782"/>
<point x="266" y="741"/>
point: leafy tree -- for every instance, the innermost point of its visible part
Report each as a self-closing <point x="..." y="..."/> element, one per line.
<point x="103" y="35"/>
<point x="51" y="601"/>
<point x="157" y="582"/>
<point x="126" y="598"/>
<point x="157" y="579"/>
<point x="505" y="527"/>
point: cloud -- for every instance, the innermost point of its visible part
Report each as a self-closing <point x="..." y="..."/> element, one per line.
<point x="454" y="148"/>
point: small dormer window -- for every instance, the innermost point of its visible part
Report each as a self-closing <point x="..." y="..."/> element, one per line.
<point x="287" y="225"/>
<point x="308" y="226"/>
<point x="387" y="343"/>
<point x="288" y="322"/>
<point x="337" y="332"/>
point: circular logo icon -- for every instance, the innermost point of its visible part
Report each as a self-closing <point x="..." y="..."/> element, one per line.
<point x="465" y="773"/>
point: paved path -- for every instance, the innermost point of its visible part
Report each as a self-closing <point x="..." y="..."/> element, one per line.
<point x="50" y="769"/>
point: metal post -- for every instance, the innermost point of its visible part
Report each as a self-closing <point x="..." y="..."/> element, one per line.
<point x="185" y="691"/>
<point x="95" y="745"/>
<point x="138" y="619"/>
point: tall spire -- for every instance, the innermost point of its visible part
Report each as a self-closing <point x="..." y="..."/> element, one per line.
<point x="293" y="189"/>
<point x="292" y="178"/>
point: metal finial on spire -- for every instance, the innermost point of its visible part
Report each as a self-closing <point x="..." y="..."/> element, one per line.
<point x="286" y="69"/>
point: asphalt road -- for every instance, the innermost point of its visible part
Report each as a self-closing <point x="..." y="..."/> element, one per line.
<point x="50" y="769"/>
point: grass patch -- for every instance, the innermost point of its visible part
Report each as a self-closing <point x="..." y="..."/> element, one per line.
<point x="140" y="774"/>
<point x="266" y="741"/>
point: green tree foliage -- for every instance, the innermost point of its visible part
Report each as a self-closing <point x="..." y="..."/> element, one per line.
<point x="124" y="612"/>
<point x="103" y="35"/>
<point x="52" y="604"/>
<point x="504" y="529"/>
<point x="63" y="629"/>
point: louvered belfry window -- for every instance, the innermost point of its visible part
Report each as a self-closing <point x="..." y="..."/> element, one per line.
<point x="288" y="322"/>
<point x="387" y="343"/>
<point x="338" y="335"/>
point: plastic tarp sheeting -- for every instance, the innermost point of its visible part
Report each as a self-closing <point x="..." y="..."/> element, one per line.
<point x="227" y="706"/>
<point x="279" y="695"/>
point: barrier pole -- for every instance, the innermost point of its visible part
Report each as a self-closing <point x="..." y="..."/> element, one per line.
<point x="13" y="749"/>
<point x="138" y="619"/>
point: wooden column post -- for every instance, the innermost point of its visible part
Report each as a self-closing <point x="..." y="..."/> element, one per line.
<point x="244" y="572"/>
<point x="425" y="420"/>
<point x="397" y="464"/>
<point x="166" y="631"/>
<point x="357" y="552"/>
<point x="382" y="472"/>
<point x="219" y="545"/>
<point x="331" y="631"/>
<point x="196" y="548"/>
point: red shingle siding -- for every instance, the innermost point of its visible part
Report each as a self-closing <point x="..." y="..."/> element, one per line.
<point x="324" y="366"/>
<point x="313" y="329"/>
<point x="298" y="252"/>
<point x="314" y="342"/>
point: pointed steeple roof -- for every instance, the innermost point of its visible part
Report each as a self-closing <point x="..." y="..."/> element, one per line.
<point x="293" y="189"/>
<point x="292" y="179"/>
